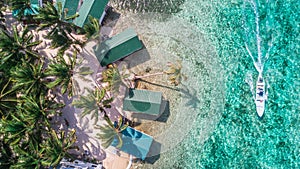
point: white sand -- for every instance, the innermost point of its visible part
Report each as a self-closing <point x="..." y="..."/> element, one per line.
<point x="85" y="131"/>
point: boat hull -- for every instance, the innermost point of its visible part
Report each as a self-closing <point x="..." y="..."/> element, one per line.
<point x="260" y="96"/>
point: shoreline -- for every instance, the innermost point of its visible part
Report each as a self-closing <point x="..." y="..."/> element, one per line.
<point x="151" y="59"/>
<point x="163" y="45"/>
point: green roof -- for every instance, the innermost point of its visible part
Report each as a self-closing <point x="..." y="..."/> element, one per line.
<point x="142" y="101"/>
<point x="95" y="8"/>
<point x="117" y="47"/>
<point x="69" y="5"/>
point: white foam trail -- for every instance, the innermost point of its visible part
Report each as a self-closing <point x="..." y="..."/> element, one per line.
<point x="259" y="65"/>
<point x="260" y="60"/>
<point x="254" y="62"/>
<point x="259" y="68"/>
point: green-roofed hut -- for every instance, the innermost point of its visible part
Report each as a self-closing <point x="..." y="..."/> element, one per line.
<point x="95" y="8"/>
<point x="70" y="6"/>
<point x="135" y="143"/>
<point x="142" y="101"/>
<point x="118" y="47"/>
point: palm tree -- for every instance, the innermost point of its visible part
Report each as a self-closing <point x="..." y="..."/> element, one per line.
<point x="6" y="157"/>
<point x="28" y="120"/>
<point x="64" y="70"/>
<point x="29" y="155"/>
<point x="28" y="78"/>
<point x="26" y="137"/>
<point x="56" y="147"/>
<point x="175" y="74"/>
<point x="14" y="129"/>
<point x="25" y="130"/>
<point x="63" y="73"/>
<point x="37" y="110"/>
<point x="16" y="48"/>
<point x="114" y="77"/>
<point x="111" y="131"/>
<point x="94" y="103"/>
<point x="7" y="97"/>
<point x="50" y="16"/>
<point x="92" y="29"/>
<point x="21" y="6"/>
<point x="55" y="18"/>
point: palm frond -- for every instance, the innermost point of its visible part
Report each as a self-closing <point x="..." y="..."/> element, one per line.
<point x="93" y="103"/>
<point x="109" y="132"/>
<point x="92" y="29"/>
<point x="174" y="73"/>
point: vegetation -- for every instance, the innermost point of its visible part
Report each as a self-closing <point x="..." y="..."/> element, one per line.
<point x="94" y="103"/>
<point x="16" y="48"/>
<point x="27" y="136"/>
<point x="115" y="77"/>
<point x="175" y="76"/>
<point x="60" y="29"/>
<point x="7" y="96"/>
<point x="92" y="30"/>
<point x="63" y="70"/>
<point x="21" y="6"/>
<point x="174" y="73"/>
<point x="111" y="131"/>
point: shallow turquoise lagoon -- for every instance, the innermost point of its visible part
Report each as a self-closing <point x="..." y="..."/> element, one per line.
<point x="219" y="125"/>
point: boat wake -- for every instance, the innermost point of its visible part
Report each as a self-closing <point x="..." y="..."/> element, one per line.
<point x="259" y="54"/>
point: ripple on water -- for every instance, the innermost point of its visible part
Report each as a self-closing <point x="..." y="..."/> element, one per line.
<point x="240" y="139"/>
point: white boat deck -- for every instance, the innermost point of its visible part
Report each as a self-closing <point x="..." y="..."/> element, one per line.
<point x="260" y="96"/>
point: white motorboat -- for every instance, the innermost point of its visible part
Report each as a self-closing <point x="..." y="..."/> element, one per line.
<point x="260" y="95"/>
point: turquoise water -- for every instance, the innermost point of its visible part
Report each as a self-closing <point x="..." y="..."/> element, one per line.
<point x="237" y="138"/>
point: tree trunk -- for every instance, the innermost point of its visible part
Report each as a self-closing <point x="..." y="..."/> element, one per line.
<point x="149" y="75"/>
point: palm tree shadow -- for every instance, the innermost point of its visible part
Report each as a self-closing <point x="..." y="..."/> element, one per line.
<point x="159" y="85"/>
<point x="83" y="141"/>
<point x="191" y="95"/>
